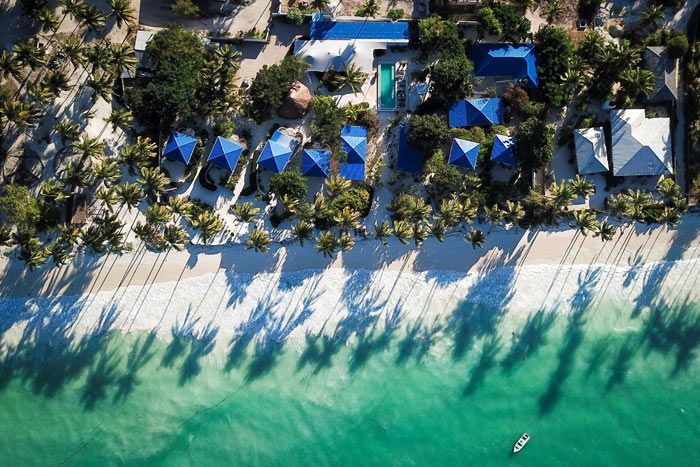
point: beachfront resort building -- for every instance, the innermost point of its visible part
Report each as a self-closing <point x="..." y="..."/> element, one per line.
<point x="640" y="146"/>
<point x="665" y="69"/>
<point x="338" y="44"/>
<point x="514" y="63"/>
<point x="353" y="141"/>
<point x="591" y="152"/>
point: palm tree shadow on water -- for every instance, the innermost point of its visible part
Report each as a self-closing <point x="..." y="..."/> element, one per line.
<point x="487" y="360"/>
<point x="527" y="341"/>
<point x="376" y="340"/>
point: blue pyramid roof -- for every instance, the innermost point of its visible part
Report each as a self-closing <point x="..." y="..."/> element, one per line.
<point x="464" y="153"/>
<point x="316" y="163"/>
<point x="277" y="152"/>
<point x="225" y="153"/>
<point x="180" y="147"/>
<point x="502" y="151"/>
<point x="353" y="171"/>
<point x="516" y="61"/>
<point x="409" y="159"/>
<point x="476" y="112"/>
<point x="354" y="143"/>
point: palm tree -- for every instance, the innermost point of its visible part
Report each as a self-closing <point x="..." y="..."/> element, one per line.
<point x="148" y="234"/>
<point x="48" y="20"/>
<point x="59" y="253"/>
<point x="137" y="154"/>
<point x="606" y="231"/>
<point x="582" y="187"/>
<point x="670" y="215"/>
<point x="403" y="231"/>
<point x="302" y="231"/>
<point x="208" y="223"/>
<point x="327" y="243"/>
<point x="347" y="219"/>
<point x="89" y="147"/>
<point x="30" y="52"/>
<point x="76" y="175"/>
<point x="175" y="236"/>
<point x="153" y="181"/>
<point x="56" y="81"/>
<point x="245" y="212"/>
<point x="382" y="231"/>
<point x="122" y="12"/>
<point x="120" y="118"/>
<point x="99" y="58"/>
<point x="123" y="59"/>
<point x="669" y="189"/>
<point x="74" y="51"/>
<point x="337" y="184"/>
<point x="476" y="237"/>
<point x="33" y="253"/>
<point x="53" y="190"/>
<point x="41" y="94"/>
<point x="108" y="195"/>
<point x="157" y="215"/>
<point x="353" y="77"/>
<point x="420" y="234"/>
<point x="562" y="194"/>
<point x="439" y="229"/>
<point x="586" y="221"/>
<point x="69" y="234"/>
<point x="495" y="215"/>
<point x="101" y="85"/>
<point x="369" y="8"/>
<point x="639" y="201"/>
<point x="450" y="210"/>
<point x="651" y="15"/>
<point x="638" y="81"/>
<point x="92" y="18"/>
<point x="553" y="9"/>
<point x="67" y="130"/>
<point x="468" y="210"/>
<point x="130" y="194"/>
<point x="10" y="65"/>
<point x="346" y="242"/>
<point x="181" y="206"/>
<point x="514" y="213"/>
<point x="74" y="8"/>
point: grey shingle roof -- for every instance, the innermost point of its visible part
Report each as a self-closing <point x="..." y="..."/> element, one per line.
<point x="665" y="71"/>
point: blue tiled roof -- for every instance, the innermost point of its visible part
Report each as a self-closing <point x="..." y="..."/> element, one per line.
<point x="353" y="171"/>
<point x="277" y="152"/>
<point x="180" y="148"/>
<point x="464" y="153"/>
<point x="225" y="153"/>
<point x="316" y="163"/>
<point x="476" y="112"/>
<point x="502" y="151"/>
<point x="354" y="143"/>
<point x="368" y="30"/>
<point x="409" y="159"/>
<point x="511" y="60"/>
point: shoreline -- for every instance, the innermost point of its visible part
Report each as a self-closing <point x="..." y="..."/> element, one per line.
<point x="293" y="292"/>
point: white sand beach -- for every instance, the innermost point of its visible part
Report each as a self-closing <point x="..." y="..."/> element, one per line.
<point x="223" y="291"/>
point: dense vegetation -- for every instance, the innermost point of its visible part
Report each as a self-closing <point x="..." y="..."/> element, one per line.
<point x="271" y="84"/>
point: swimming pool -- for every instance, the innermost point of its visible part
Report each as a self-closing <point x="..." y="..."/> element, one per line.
<point x="387" y="86"/>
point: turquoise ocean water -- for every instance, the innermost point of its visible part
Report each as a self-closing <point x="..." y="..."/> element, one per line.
<point x="601" y="386"/>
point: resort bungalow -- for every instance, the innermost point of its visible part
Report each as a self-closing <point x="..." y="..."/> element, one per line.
<point x="316" y="163"/>
<point x="591" y="155"/>
<point x="640" y="146"/>
<point x="506" y="62"/>
<point x="277" y="151"/>
<point x="502" y="151"/>
<point x="225" y="154"/>
<point x="665" y="69"/>
<point x="476" y="112"/>
<point x="180" y="148"/>
<point x="409" y="160"/>
<point x="353" y="140"/>
<point x="337" y="44"/>
<point x="464" y="153"/>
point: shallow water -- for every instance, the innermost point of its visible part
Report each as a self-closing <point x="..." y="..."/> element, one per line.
<point x="598" y="386"/>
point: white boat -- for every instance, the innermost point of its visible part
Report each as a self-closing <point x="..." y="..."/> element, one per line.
<point x="520" y="443"/>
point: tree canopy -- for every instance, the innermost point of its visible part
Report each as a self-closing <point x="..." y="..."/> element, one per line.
<point x="271" y="84"/>
<point x="428" y="133"/>
<point x="534" y="148"/>
<point x="289" y="183"/>
<point x="554" y="54"/>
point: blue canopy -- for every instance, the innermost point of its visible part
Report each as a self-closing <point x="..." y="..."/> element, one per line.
<point x="316" y="163"/>
<point x="502" y="151"/>
<point x="476" y="112"/>
<point x="385" y="31"/>
<point x="464" y="153"/>
<point x="516" y="61"/>
<point x="354" y="142"/>
<point x="225" y="153"/>
<point x="180" y="147"/>
<point x="409" y="159"/>
<point x="277" y="152"/>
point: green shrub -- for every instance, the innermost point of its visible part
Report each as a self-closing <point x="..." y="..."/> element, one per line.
<point x="356" y="198"/>
<point x="225" y="127"/>
<point x="20" y="207"/>
<point x="677" y="45"/>
<point x="515" y="27"/>
<point x="270" y="86"/>
<point x="295" y="16"/>
<point x="451" y="78"/>
<point x="328" y="119"/>
<point x="445" y="179"/>
<point x="534" y="148"/>
<point x="395" y="14"/>
<point x="428" y="133"/>
<point x="288" y="183"/>
<point x="439" y="35"/>
<point x="554" y="54"/>
<point x="185" y="9"/>
<point x="488" y="23"/>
